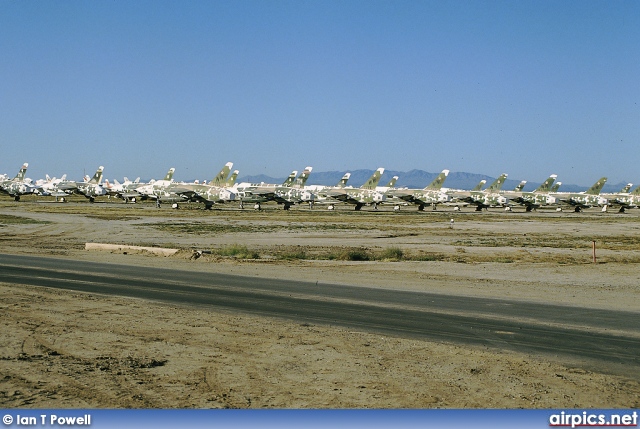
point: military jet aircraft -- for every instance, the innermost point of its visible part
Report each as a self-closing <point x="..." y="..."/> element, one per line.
<point x="624" y="199"/>
<point x="366" y="194"/>
<point x="91" y="188"/>
<point x="259" y="193"/>
<point x="296" y="193"/>
<point x="49" y="187"/>
<point x="127" y="187"/>
<point x="214" y="192"/>
<point x="48" y="184"/>
<point x="432" y="194"/>
<point x="317" y="191"/>
<point x="483" y="199"/>
<point x="18" y="185"/>
<point x="533" y="200"/>
<point x="155" y="189"/>
<point x="586" y="199"/>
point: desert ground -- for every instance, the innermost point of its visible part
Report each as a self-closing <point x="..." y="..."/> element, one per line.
<point x="63" y="349"/>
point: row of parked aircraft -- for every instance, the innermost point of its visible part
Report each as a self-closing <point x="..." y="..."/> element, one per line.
<point x="223" y="189"/>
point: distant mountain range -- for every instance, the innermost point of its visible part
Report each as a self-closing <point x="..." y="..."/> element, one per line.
<point x="419" y="179"/>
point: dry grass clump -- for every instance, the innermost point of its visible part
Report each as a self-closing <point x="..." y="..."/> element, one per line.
<point x="396" y="254"/>
<point x="391" y="254"/>
<point x="19" y="220"/>
<point x="555" y="241"/>
<point x="237" y="251"/>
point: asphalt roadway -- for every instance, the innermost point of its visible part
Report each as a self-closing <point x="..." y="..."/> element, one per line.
<point x="602" y="340"/>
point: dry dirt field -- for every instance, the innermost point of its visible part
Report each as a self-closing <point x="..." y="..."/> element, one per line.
<point x="67" y="349"/>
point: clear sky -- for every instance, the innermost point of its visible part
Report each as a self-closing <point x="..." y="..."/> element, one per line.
<point x="524" y="87"/>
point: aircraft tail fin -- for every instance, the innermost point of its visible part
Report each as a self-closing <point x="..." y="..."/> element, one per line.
<point x="546" y="185"/>
<point x="97" y="177"/>
<point x="497" y="185"/>
<point x="520" y="185"/>
<point x="597" y="187"/>
<point x="626" y="188"/>
<point x="392" y="182"/>
<point x="169" y="176"/>
<point x="479" y="186"/>
<point x="303" y="177"/>
<point x="221" y="177"/>
<point x="437" y="183"/>
<point x="373" y="181"/>
<point x="289" y="181"/>
<point x="232" y="179"/>
<point x="555" y="187"/>
<point x="21" y="173"/>
<point x="343" y="182"/>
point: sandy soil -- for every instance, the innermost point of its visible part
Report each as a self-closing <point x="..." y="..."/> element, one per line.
<point x="64" y="349"/>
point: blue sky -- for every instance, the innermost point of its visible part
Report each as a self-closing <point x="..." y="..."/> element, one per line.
<point x="524" y="87"/>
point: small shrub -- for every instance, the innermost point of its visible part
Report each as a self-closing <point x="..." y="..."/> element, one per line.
<point x="426" y="257"/>
<point x="392" y="254"/>
<point x="238" y="251"/>
<point x="299" y="254"/>
<point x="354" y="255"/>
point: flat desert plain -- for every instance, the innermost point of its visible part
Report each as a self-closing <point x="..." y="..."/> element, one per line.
<point x="65" y="349"/>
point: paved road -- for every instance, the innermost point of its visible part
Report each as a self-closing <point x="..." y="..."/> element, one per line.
<point x="607" y="340"/>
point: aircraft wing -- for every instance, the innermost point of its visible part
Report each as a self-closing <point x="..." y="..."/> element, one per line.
<point x="404" y="195"/>
<point x="339" y="194"/>
<point x="359" y="197"/>
<point x="58" y="194"/>
<point x="67" y="186"/>
<point x="624" y="201"/>
<point x="282" y="199"/>
<point x="464" y="196"/>
<point x="185" y="192"/>
<point x="191" y="195"/>
<point x="129" y="195"/>
<point x="264" y="191"/>
<point x="255" y="193"/>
